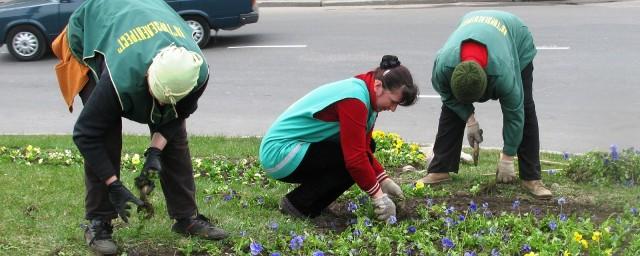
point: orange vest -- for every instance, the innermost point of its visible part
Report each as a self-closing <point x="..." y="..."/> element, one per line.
<point x="72" y="74"/>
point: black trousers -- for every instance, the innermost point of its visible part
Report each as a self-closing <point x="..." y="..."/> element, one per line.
<point x="176" y="177"/>
<point x="450" y="137"/>
<point x="322" y="176"/>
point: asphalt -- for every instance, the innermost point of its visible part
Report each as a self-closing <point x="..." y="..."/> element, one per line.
<point x="329" y="3"/>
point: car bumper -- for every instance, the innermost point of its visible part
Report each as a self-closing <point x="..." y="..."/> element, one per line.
<point x="249" y="18"/>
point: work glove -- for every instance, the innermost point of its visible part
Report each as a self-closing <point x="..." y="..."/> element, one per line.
<point x="120" y="196"/>
<point x="391" y="188"/>
<point x="152" y="160"/>
<point x="384" y="207"/>
<point x="474" y="134"/>
<point x="506" y="172"/>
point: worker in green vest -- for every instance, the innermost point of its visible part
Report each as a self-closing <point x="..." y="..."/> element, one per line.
<point x="144" y="67"/>
<point x="488" y="57"/>
<point x="323" y="141"/>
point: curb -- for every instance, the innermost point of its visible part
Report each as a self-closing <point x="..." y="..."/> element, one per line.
<point x="328" y="3"/>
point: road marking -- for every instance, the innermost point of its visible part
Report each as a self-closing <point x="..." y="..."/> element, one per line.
<point x="269" y="46"/>
<point x="553" y="47"/>
<point x="428" y="96"/>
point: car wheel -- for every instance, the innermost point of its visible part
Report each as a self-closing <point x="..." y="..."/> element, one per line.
<point x="26" y="43"/>
<point x="201" y="30"/>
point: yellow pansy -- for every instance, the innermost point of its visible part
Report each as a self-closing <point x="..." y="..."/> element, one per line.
<point x="531" y="254"/>
<point x="566" y="253"/>
<point x="29" y="147"/>
<point x="198" y="162"/>
<point x="608" y="252"/>
<point x="377" y="134"/>
<point x="414" y="147"/>
<point x="584" y="243"/>
<point x="596" y="236"/>
<point x="135" y="160"/>
<point x="577" y="236"/>
<point x="419" y="185"/>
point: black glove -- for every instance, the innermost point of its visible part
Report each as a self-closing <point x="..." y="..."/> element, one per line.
<point x="119" y="196"/>
<point x="152" y="160"/>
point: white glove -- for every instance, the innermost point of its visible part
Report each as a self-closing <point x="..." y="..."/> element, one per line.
<point x="474" y="133"/>
<point x="384" y="207"/>
<point x="505" y="172"/>
<point x="391" y="188"/>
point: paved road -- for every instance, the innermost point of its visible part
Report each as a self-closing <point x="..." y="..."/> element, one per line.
<point x="584" y="88"/>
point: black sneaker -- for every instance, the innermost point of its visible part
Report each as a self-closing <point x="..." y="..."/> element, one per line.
<point x="98" y="236"/>
<point x="199" y="226"/>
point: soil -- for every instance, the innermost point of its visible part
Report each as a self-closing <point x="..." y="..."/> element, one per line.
<point x="337" y="218"/>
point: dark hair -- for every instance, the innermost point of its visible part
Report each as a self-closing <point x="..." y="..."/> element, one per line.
<point x="394" y="75"/>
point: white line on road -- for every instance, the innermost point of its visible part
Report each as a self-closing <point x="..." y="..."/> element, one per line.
<point x="428" y="96"/>
<point x="553" y="47"/>
<point x="269" y="46"/>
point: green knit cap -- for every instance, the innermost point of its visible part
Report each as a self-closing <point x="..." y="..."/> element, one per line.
<point x="468" y="82"/>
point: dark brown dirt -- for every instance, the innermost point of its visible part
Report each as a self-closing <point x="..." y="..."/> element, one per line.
<point x="337" y="218"/>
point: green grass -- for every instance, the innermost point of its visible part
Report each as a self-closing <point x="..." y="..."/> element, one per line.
<point x="43" y="208"/>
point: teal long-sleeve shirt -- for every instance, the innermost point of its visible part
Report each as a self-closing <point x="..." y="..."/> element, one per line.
<point x="510" y="48"/>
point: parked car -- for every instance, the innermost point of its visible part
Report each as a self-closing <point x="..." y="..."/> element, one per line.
<point x="28" y="27"/>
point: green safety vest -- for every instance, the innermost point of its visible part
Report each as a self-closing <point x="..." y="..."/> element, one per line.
<point x="510" y="48"/>
<point x="129" y="34"/>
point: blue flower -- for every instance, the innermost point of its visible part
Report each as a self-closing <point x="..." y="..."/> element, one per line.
<point x="429" y="202"/>
<point x="411" y="229"/>
<point x="470" y="253"/>
<point x="243" y="233"/>
<point x="275" y="254"/>
<point x="363" y="199"/>
<point x="461" y="217"/>
<point x="227" y="197"/>
<point x="448" y="221"/>
<point x="356" y="232"/>
<point x="367" y="222"/>
<point x="273" y="225"/>
<point x="255" y="247"/>
<point x="552" y="171"/>
<point x="488" y="214"/>
<point x="495" y="252"/>
<point x="634" y="211"/>
<point x="565" y="155"/>
<point x="392" y="220"/>
<point x="614" y="152"/>
<point x="352" y="207"/>
<point x="450" y="210"/>
<point x="525" y="248"/>
<point x="553" y="225"/>
<point x="562" y="201"/>
<point x="260" y="200"/>
<point x="563" y="217"/>
<point x="352" y="221"/>
<point x="516" y="204"/>
<point x="447" y="243"/>
<point x="296" y="242"/>
<point x="208" y="198"/>
<point x="318" y="253"/>
<point x="473" y="207"/>
<point x="485" y="205"/>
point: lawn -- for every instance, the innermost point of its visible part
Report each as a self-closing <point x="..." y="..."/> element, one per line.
<point x="41" y="180"/>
